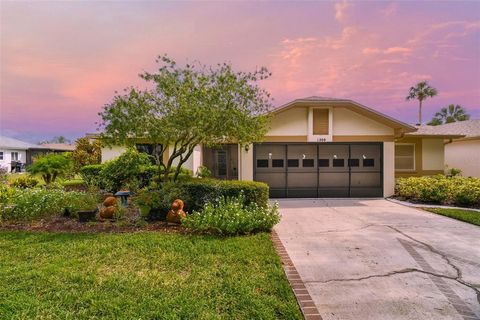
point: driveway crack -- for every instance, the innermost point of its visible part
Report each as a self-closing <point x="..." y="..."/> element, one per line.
<point x="388" y="274"/>
<point x="431" y="249"/>
<point x="457" y="278"/>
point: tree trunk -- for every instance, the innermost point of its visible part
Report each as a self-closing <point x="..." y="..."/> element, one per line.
<point x="420" y="113"/>
<point x="182" y="161"/>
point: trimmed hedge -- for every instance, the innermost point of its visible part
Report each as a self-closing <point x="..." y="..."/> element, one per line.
<point x="196" y="193"/>
<point x="439" y="189"/>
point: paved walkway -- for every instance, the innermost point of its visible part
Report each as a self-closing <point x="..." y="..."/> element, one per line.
<point x="374" y="259"/>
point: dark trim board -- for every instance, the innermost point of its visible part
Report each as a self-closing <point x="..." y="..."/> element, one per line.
<point x="360" y="176"/>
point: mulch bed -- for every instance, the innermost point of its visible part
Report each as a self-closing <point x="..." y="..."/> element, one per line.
<point x="63" y="224"/>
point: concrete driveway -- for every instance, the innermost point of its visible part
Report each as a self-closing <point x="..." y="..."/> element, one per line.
<point x="374" y="259"/>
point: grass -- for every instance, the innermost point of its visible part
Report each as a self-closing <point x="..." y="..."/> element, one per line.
<point x="459" y="214"/>
<point x="141" y="276"/>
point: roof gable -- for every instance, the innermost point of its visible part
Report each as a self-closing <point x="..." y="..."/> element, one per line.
<point x="350" y="104"/>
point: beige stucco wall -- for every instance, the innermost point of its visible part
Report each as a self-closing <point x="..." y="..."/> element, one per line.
<point x="246" y="163"/>
<point x="464" y="155"/>
<point x="388" y="169"/>
<point x="433" y="157"/>
<point x="292" y="122"/>
<point x="109" y="153"/>
<point x="350" y="123"/>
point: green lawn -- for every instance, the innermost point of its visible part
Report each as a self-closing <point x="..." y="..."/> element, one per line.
<point x="141" y="276"/>
<point x="459" y="214"/>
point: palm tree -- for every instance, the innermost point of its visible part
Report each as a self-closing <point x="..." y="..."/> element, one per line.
<point x="452" y="113"/>
<point x="421" y="92"/>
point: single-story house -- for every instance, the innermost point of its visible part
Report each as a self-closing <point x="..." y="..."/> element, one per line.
<point x="325" y="147"/>
<point x="48" y="148"/>
<point x="13" y="153"/>
<point x="462" y="147"/>
<point x="16" y="154"/>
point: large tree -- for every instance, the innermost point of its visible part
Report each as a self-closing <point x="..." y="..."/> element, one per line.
<point x="421" y="91"/>
<point x="188" y="105"/>
<point x="452" y="113"/>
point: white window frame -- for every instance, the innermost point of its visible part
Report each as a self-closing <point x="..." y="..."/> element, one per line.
<point x="12" y="158"/>
<point x="414" y="158"/>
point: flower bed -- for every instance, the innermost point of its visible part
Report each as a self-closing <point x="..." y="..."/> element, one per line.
<point x="30" y="204"/>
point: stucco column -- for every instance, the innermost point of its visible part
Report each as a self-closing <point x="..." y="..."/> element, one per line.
<point x="388" y="168"/>
<point x="246" y="163"/>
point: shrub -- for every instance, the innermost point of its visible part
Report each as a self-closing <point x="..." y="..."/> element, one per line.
<point x="452" y="172"/>
<point x="74" y="185"/>
<point x="230" y="216"/>
<point x="91" y="175"/>
<point x="24" y="182"/>
<point x="198" y="192"/>
<point x="3" y="174"/>
<point x="31" y="204"/>
<point x="151" y="204"/>
<point x="466" y="191"/>
<point x="440" y="189"/>
<point x="51" y="166"/>
<point x="86" y="153"/>
<point x="125" y="171"/>
<point x="204" y="172"/>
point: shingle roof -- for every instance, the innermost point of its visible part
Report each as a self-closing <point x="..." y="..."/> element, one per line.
<point x="58" y="146"/>
<point x="10" y="143"/>
<point x="468" y="128"/>
<point x="318" y="98"/>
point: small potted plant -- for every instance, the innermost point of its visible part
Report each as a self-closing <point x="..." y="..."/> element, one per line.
<point x="88" y="209"/>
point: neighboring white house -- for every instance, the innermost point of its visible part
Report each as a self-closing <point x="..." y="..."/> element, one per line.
<point x="13" y="150"/>
<point x="461" y="141"/>
<point x="464" y="153"/>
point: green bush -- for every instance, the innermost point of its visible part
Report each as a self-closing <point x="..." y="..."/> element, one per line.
<point x="204" y="172"/>
<point x="198" y="192"/>
<point x="74" y="185"/>
<point x="230" y="216"/>
<point x="24" y="182"/>
<point x="51" y="166"/>
<point x="440" y="190"/>
<point x="125" y="171"/>
<point x="91" y="175"/>
<point x="31" y="204"/>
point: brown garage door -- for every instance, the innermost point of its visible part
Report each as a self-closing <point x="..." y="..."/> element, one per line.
<point x="310" y="170"/>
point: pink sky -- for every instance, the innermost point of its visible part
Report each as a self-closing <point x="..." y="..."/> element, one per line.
<point x="62" y="61"/>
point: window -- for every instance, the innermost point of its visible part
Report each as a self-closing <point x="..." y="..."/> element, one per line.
<point x="14" y="156"/>
<point x="262" y="163"/>
<point x="323" y="162"/>
<point x="277" y="163"/>
<point x="1" y="155"/>
<point x="353" y="162"/>
<point x="293" y="163"/>
<point x="369" y="162"/>
<point x="405" y="157"/>
<point x="307" y="163"/>
<point x="338" y="162"/>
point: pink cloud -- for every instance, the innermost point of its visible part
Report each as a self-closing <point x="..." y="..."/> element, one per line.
<point x="60" y="62"/>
